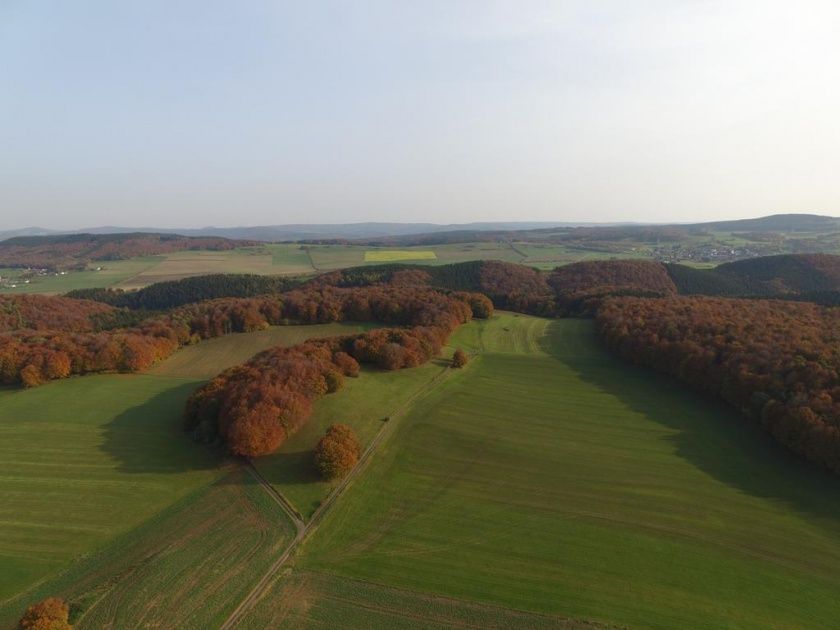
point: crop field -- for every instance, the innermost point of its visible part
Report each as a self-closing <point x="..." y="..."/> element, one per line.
<point x="548" y="477"/>
<point x="111" y="272"/>
<point x="206" y="359"/>
<point x="84" y="460"/>
<point x="317" y="600"/>
<point x="397" y="255"/>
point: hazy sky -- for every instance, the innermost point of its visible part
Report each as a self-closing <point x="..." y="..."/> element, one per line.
<point x="174" y="113"/>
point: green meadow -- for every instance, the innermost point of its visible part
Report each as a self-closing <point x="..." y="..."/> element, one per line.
<point x="548" y="477"/>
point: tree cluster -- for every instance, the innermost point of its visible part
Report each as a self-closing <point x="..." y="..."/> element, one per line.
<point x="776" y="361"/>
<point x="255" y="406"/>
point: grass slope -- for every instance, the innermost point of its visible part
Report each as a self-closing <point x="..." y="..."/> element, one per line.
<point x="550" y="478"/>
<point x="85" y="459"/>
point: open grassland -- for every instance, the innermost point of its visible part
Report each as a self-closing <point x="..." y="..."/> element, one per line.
<point x="206" y="359"/>
<point x="111" y="272"/>
<point x="84" y="460"/>
<point x="365" y="404"/>
<point x="316" y="600"/>
<point x="397" y="255"/>
<point x="187" y="567"/>
<point x="548" y="477"/>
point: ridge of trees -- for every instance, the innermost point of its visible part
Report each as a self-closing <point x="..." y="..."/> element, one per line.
<point x="778" y="362"/>
<point x="255" y="406"/>
<point x="75" y="251"/>
<point x="174" y="293"/>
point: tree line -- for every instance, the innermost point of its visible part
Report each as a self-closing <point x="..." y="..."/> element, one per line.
<point x="776" y="361"/>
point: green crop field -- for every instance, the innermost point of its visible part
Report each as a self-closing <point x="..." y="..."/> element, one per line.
<point x="187" y="567"/>
<point x="84" y="460"/>
<point x="548" y="477"/>
<point x="397" y="255"/>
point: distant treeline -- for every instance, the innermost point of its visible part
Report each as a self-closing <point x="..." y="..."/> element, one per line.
<point x="175" y="293"/>
<point x="75" y="251"/>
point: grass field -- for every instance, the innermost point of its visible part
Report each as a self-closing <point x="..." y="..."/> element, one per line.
<point x="208" y="358"/>
<point x="397" y="255"/>
<point x="548" y="477"/>
<point x="364" y="403"/>
<point x="84" y="460"/>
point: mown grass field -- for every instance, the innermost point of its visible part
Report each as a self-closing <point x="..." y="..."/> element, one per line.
<point x="206" y="359"/>
<point x="84" y="460"/>
<point x="548" y="477"/>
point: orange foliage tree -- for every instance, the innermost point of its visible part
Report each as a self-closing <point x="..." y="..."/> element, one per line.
<point x="50" y="614"/>
<point x="337" y="452"/>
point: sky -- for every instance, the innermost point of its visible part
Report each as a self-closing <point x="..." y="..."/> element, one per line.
<point x="168" y="113"/>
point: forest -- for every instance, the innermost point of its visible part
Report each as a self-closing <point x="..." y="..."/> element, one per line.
<point x="776" y="361"/>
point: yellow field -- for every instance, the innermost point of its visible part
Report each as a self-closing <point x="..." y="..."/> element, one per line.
<point x="394" y="255"/>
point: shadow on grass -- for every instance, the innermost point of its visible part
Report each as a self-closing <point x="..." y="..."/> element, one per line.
<point x="149" y="438"/>
<point x="712" y="436"/>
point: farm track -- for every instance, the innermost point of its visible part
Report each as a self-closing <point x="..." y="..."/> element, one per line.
<point x="305" y="529"/>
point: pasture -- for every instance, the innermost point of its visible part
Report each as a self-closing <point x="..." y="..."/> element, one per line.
<point x="110" y="273"/>
<point x="548" y="477"/>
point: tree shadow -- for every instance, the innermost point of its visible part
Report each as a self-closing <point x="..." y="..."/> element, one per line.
<point x="715" y="438"/>
<point x="290" y="468"/>
<point x="149" y="439"/>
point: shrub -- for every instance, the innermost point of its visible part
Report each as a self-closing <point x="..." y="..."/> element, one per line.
<point x="459" y="359"/>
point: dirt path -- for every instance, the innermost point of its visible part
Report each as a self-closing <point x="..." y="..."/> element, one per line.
<point x="304" y="529"/>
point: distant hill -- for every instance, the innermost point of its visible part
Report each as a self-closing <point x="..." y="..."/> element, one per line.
<point x="303" y="231"/>
<point x="74" y="251"/>
<point x="775" y="223"/>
